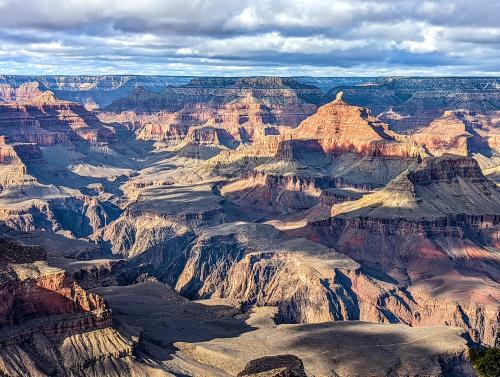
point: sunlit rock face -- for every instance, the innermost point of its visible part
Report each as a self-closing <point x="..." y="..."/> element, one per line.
<point x="432" y="226"/>
<point x="447" y="134"/>
<point x="31" y="289"/>
<point x="339" y="126"/>
<point x="46" y="120"/>
<point x="25" y="92"/>
<point x="50" y="324"/>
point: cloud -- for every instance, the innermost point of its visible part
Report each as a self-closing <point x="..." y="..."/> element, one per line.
<point x="293" y="37"/>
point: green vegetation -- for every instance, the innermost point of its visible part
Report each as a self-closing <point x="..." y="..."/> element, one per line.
<point x="486" y="361"/>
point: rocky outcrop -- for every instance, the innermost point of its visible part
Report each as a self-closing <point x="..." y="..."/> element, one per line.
<point x="446" y="134"/>
<point x="436" y="188"/>
<point x="205" y="142"/>
<point x="32" y="290"/>
<point x="164" y="129"/>
<point x="46" y="121"/>
<point x="49" y="325"/>
<point x="274" y="366"/>
<point x="99" y="352"/>
<point x="40" y="300"/>
<point x="284" y="193"/>
<point x="462" y="132"/>
<point x="13" y="171"/>
<point x="25" y="92"/>
<point x="340" y="127"/>
<point x="150" y="235"/>
<point x="77" y="216"/>
<point x="432" y="226"/>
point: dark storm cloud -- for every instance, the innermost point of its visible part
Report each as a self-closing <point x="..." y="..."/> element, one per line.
<point x="250" y="37"/>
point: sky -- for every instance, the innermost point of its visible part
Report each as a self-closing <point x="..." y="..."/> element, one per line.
<point x="257" y="37"/>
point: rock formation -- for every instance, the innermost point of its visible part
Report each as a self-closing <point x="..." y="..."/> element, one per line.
<point x="274" y="366"/>
<point x="446" y="134"/>
<point x="429" y="227"/>
<point x="25" y="92"/>
<point x="46" y="121"/>
<point x="294" y="171"/>
<point x="340" y="127"/>
<point x="50" y="325"/>
<point x="288" y="101"/>
<point x="409" y="103"/>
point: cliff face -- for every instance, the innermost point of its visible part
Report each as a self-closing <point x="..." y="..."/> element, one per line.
<point x="23" y="93"/>
<point x="11" y="161"/>
<point x="75" y="216"/>
<point x="410" y="103"/>
<point x="49" y="325"/>
<point x="285" y="193"/>
<point x="433" y="189"/>
<point x="166" y="127"/>
<point x="432" y="226"/>
<point x="39" y="301"/>
<point x="288" y="101"/>
<point x="255" y="265"/>
<point x="446" y="134"/>
<point x="462" y="132"/>
<point x="46" y="121"/>
<point x="31" y="290"/>
<point x="99" y="90"/>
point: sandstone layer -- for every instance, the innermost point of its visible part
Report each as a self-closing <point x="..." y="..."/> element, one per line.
<point x="434" y="229"/>
<point x="49" y="325"/>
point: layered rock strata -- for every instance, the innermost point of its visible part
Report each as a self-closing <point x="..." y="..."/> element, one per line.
<point x="49" y="325"/>
<point x="436" y="225"/>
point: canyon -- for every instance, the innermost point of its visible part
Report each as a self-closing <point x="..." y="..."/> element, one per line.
<point x="204" y="226"/>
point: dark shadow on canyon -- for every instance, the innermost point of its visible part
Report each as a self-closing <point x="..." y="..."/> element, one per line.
<point x="360" y="348"/>
<point x="167" y="318"/>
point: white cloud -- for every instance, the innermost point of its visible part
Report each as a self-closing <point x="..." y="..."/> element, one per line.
<point x="430" y="42"/>
<point x="250" y="35"/>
